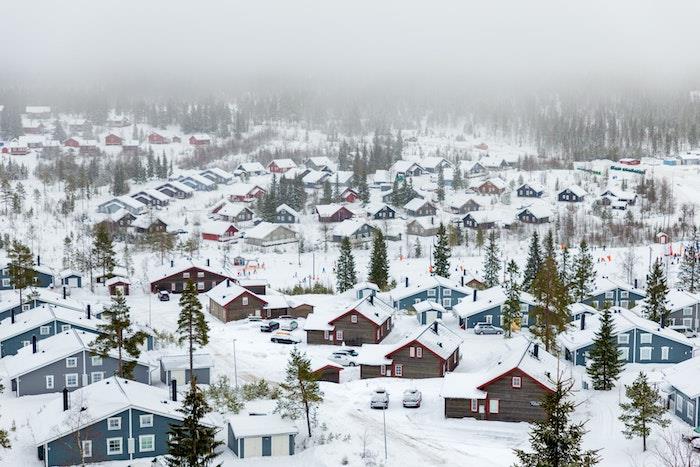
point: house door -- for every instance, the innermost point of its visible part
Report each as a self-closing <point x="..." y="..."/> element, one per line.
<point x="266" y="446"/>
<point x="179" y="376"/>
<point x="119" y="289"/>
<point x="73" y="282"/>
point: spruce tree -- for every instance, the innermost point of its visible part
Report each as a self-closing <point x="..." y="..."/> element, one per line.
<point x="300" y="392"/>
<point x="417" y="249"/>
<point x="479" y="240"/>
<point x="118" y="335"/>
<point x="689" y="270"/>
<point x="103" y="250"/>
<point x="565" y="266"/>
<point x="327" y="197"/>
<point x="643" y="410"/>
<point x="379" y="264"/>
<point x="584" y="275"/>
<point x="655" y="302"/>
<point x="20" y="267"/>
<point x="457" y="177"/>
<point x="548" y="247"/>
<point x="442" y="253"/>
<point x="440" y="184"/>
<point x="492" y="263"/>
<point x="192" y="444"/>
<point x="192" y="327"/>
<point x="534" y="262"/>
<point x="555" y="440"/>
<point x="551" y="313"/>
<point x="511" y="307"/>
<point x="346" y="277"/>
<point x="606" y="365"/>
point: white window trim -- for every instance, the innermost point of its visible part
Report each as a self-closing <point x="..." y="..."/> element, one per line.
<point x="665" y="351"/>
<point x="86" y="447"/>
<point x="353" y="318"/>
<point x="623" y="338"/>
<point x="419" y="352"/>
<point x="339" y="335"/>
<point x="50" y="382"/>
<point x="111" y="452"/>
<point x="146" y="421"/>
<point x="72" y="362"/>
<point x="244" y="301"/>
<point x="645" y="338"/>
<point x="101" y="374"/>
<point x="153" y="443"/>
<point x="71" y="375"/>
<point x="474" y="405"/>
<point x="96" y="360"/>
<point x="412" y="352"/>
<point x="446" y="292"/>
<point x="65" y="327"/>
<point x="44" y="330"/>
<point x="643" y="351"/>
<point x="516" y="382"/>
<point x="398" y="370"/>
<point x="492" y="403"/>
<point x="114" y="427"/>
<point x="690" y="410"/>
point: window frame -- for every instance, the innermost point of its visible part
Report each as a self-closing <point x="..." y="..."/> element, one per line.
<point x="244" y="300"/>
<point x="143" y="417"/>
<point x="111" y="452"/>
<point x="516" y="382"/>
<point x="71" y="375"/>
<point x="44" y="330"/>
<point x="623" y="338"/>
<point x="497" y="404"/>
<point x="645" y="338"/>
<point x="52" y="379"/>
<point x="419" y="352"/>
<point x="353" y="318"/>
<point x="101" y="375"/>
<point x="86" y="447"/>
<point x="152" y="438"/>
<point x="643" y="352"/>
<point x="111" y="427"/>
<point x="96" y="360"/>
<point x="71" y="362"/>
<point x="398" y="370"/>
<point x="474" y="406"/>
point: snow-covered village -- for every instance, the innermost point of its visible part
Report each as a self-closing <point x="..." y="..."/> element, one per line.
<point x="290" y="263"/>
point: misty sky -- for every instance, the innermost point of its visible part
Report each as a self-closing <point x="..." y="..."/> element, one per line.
<point x="509" y="41"/>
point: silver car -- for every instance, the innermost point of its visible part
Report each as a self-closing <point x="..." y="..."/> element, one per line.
<point x="485" y="328"/>
<point x="412" y="398"/>
<point x="380" y="399"/>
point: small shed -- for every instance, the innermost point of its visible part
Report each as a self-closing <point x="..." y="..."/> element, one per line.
<point x="428" y="311"/>
<point x="365" y="289"/>
<point x="71" y="278"/>
<point x="326" y="370"/>
<point x="118" y="284"/>
<point x="177" y="367"/>
<point x="662" y="237"/>
<point x="261" y="436"/>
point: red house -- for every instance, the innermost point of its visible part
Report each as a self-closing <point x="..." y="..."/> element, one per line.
<point x="333" y="213"/>
<point x="349" y="195"/>
<point x="218" y="231"/>
<point x="245" y="192"/>
<point x="113" y="140"/>
<point x="326" y="371"/>
<point x="155" y="138"/>
<point x="200" y="140"/>
<point x="72" y="143"/>
<point x="492" y="186"/>
<point x="118" y="285"/>
<point x="281" y="166"/>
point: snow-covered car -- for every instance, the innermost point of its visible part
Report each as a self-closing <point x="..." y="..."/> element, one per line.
<point x="288" y="325"/>
<point x="269" y="326"/>
<point x="342" y="358"/>
<point x="350" y="352"/>
<point x="485" y="328"/>
<point x="692" y="434"/>
<point x="696" y="444"/>
<point x="685" y="330"/>
<point x="380" y="399"/>
<point x="163" y="295"/>
<point x="284" y="337"/>
<point x="412" y="398"/>
<point x="254" y="318"/>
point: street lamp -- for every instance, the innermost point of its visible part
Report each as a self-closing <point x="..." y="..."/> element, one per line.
<point x="235" y="366"/>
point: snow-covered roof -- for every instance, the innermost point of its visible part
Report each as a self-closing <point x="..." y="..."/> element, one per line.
<point x="538" y="211"/>
<point x="37" y="109"/>
<point x="181" y="362"/>
<point x="289" y="209"/>
<point x="216" y="227"/>
<point x="42" y="315"/>
<point x="248" y="426"/>
<point x="327" y="210"/>
<point x="366" y="285"/>
<point x="318" y="321"/>
<point x="619" y="193"/>
<point x="462" y="386"/>
<point x="343" y="176"/>
<point x="425" y="222"/>
<point x="495" y="181"/>
<point x="457" y="200"/>
<point x="320" y="161"/>
<point x="145" y="221"/>
<point x="677" y="300"/>
<point x="230" y="209"/>
<point x="439" y="339"/>
<point x="117" y="280"/>
<point x="492" y="215"/>
<point x="685" y="377"/>
<point x="374" y="208"/>
<point x="371" y="307"/>
<point x="485" y="299"/>
<point x="348" y="227"/>
<point x="10" y="299"/>
<point x="242" y="189"/>
<point x="161" y="272"/>
<point x="177" y="185"/>
<point x="416" y="203"/>
<point x="283" y="163"/>
<point x="375" y="354"/>
<point x="536" y="186"/>
<point x="315" y="176"/>
<point x="226" y="291"/>
<point x="403" y="166"/>
<point x="606" y="284"/>
<point x="201" y="137"/>
<point x="381" y="176"/>
<point x="263" y="229"/>
<point x="251" y="167"/>
<point x="221" y="173"/>
<point x="433" y="162"/>
<point x="428" y="305"/>
<point x="576" y="190"/>
<point x="127" y="200"/>
<point x="426" y="283"/>
<point x="202" y="180"/>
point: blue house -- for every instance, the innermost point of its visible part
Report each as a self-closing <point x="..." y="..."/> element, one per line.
<point x="485" y="306"/>
<point x="177" y="367"/>
<point x="684" y="396"/>
<point x="683" y="307"/>
<point x="530" y="190"/>
<point x="428" y="311"/>
<point x="365" y="289"/>
<point x="572" y="194"/>
<point x="638" y="339"/>
<point x="380" y="211"/>
<point x="435" y="288"/>
<point x="44" y="321"/>
<point x="70" y="278"/>
<point x="260" y="436"/>
<point x="44" y="276"/>
<point x="615" y="293"/>
<point x="284" y="214"/>
<point x="64" y="361"/>
<point x="198" y="182"/>
<point x="113" y="419"/>
<point x="9" y="302"/>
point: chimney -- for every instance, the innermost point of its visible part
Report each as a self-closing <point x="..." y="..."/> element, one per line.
<point x="12" y="319"/>
<point x="371" y="299"/>
<point x="64" y="292"/>
<point x="474" y="297"/>
<point x="33" y="343"/>
<point x="207" y="261"/>
<point x="536" y="350"/>
<point x="173" y="389"/>
<point x="435" y="326"/>
<point x="635" y="283"/>
<point x="89" y="312"/>
<point x="228" y="283"/>
<point x="172" y="263"/>
<point x="65" y="399"/>
<point x="38" y="260"/>
<point x="583" y="321"/>
<point x="462" y="280"/>
<point x="406" y="281"/>
<point x="432" y="220"/>
<point x="662" y="321"/>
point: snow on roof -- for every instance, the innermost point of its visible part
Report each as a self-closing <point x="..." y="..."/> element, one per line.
<point x="678" y="299"/>
<point x="287" y="208"/>
<point x="619" y="193"/>
<point x="158" y="195"/>
<point x="426" y="283"/>
<point x="366" y="285"/>
<point x="439" y="339"/>
<point x="202" y="180"/>
<point x="374" y="208"/>
<point x="201" y="137"/>
<point x="248" y="426"/>
<point x="117" y="280"/>
<point x="320" y="161"/>
<point x="42" y="315"/>
<point x="327" y="210"/>
<point x="375" y="354"/>
<point x="226" y="291"/>
<point x="263" y="229"/>
<point x="433" y="162"/>
<point x="495" y="181"/>
<point x="491" y="215"/>
<point x="343" y="176"/>
<point x="416" y="203"/>
<point x="216" y="227"/>
<point x="576" y="190"/>
<point x="10" y="299"/>
<point x="538" y="211"/>
<point x="381" y="176"/>
<point x="485" y="299"/>
<point x="179" y="265"/>
<point x="315" y="176"/>
<point x="534" y="185"/>
<point x="685" y="377"/>
<point x="275" y="302"/>
<point x="319" y="363"/>
<point x="37" y="109"/>
<point x="577" y="308"/>
<point x="284" y="163"/>
<point x="144" y="222"/>
<point x="606" y="284"/>
<point x="426" y="222"/>
<point x="372" y="308"/>
<point x="128" y="201"/>
<point x="218" y="172"/>
<point x="241" y="189"/>
<point x="181" y="362"/>
<point x="428" y="305"/>
<point x="624" y="320"/>
<point x="98" y="401"/>
<point x="403" y="166"/>
<point x="177" y="185"/>
<point x="457" y="200"/>
<point x="251" y="167"/>
<point x="318" y="321"/>
<point x="230" y="209"/>
<point x="462" y="386"/>
<point x="348" y="227"/>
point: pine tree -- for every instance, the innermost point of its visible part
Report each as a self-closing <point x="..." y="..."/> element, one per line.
<point x="548" y="247"/>
<point x="655" y="302"/>
<point x="192" y="444"/>
<point x="479" y="240"/>
<point x="327" y="197"/>
<point x="20" y="267"/>
<point x="511" y="307"/>
<point x="555" y="440"/>
<point x="643" y="411"/>
<point x="565" y="266"/>
<point x="689" y="270"/>
<point x="192" y="327"/>
<point x="550" y="314"/>
<point x="346" y="277"/>
<point x="442" y="253"/>
<point x="584" y="274"/>
<point x="417" y="249"/>
<point x="534" y="262"/>
<point x="363" y="189"/>
<point x="379" y="265"/>
<point x="606" y="365"/>
<point x="118" y="335"/>
<point x="440" y="184"/>
<point x="103" y="250"/>
<point x="492" y="263"/>
<point x="457" y="177"/>
<point x="300" y="392"/>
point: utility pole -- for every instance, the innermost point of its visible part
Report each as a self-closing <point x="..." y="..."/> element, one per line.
<point x="386" y="455"/>
<point x="235" y="366"/>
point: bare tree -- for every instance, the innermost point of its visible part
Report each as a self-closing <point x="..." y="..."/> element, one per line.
<point x="674" y="451"/>
<point x="629" y="262"/>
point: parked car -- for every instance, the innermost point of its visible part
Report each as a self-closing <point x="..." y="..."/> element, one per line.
<point x="284" y="337"/>
<point x="163" y="295"/>
<point x="350" y="352"/>
<point x="485" y="328"/>
<point x="412" y="398"/>
<point x="691" y="434"/>
<point x="285" y="317"/>
<point x="380" y="399"/>
<point x="289" y="325"/>
<point x="342" y="358"/>
<point x="685" y="330"/>
<point x="269" y="326"/>
<point x="254" y="318"/>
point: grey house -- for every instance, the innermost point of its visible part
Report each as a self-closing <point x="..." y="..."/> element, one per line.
<point x="64" y="361"/>
<point x="177" y="367"/>
<point x="684" y="397"/>
<point x="260" y="436"/>
<point x="114" y="420"/>
<point x="40" y="296"/>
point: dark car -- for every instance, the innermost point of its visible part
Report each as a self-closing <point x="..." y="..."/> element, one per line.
<point x="163" y="295"/>
<point x="269" y="326"/>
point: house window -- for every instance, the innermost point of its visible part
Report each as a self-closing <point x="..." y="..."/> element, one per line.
<point x="72" y="380"/>
<point x="200" y="274"/>
<point x="474" y="405"/>
<point x="412" y="352"/>
<point x="382" y="370"/>
<point x="625" y="303"/>
<point x="645" y="353"/>
<point x="687" y="311"/>
<point x="524" y="308"/>
<point x="147" y="443"/>
<point x="26" y="343"/>
<point x="679" y="404"/>
<point x="326" y="335"/>
<point x="86" y="445"/>
<point x="72" y="362"/>
<point x="416" y="300"/>
<point x="664" y="353"/>
<point x="49" y="381"/>
<point x="114" y="423"/>
<point x="398" y="370"/>
<point x="688" y="322"/>
<point x="244" y="301"/>
<point x="419" y="352"/>
<point x="185" y="275"/>
<point x="524" y="320"/>
<point x="493" y="406"/>
<point x="431" y="293"/>
<point x="489" y="319"/>
<point x="623" y="339"/>
<point x="645" y="338"/>
<point x="26" y="307"/>
<point x="353" y="318"/>
<point x="624" y="353"/>
<point x="624" y="294"/>
<point x="114" y="446"/>
<point x="200" y="285"/>
<point x="44" y="330"/>
<point x="610" y="294"/>
<point x="146" y="421"/>
<point x="65" y="327"/>
<point x="447" y="292"/>
<point x="97" y="376"/>
<point x="339" y="335"/>
<point x="447" y="302"/>
<point x="516" y="382"/>
<point x="6" y="282"/>
<point x="690" y="410"/>
<point x="96" y="360"/>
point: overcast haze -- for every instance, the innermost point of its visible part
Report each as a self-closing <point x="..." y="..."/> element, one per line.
<point x="509" y="42"/>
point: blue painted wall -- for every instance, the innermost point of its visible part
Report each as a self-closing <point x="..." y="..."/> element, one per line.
<point x="438" y="296"/>
<point x="615" y="299"/>
<point x="692" y="419"/>
<point x="13" y="344"/>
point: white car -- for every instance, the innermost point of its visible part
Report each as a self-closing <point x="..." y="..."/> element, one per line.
<point x="284" y="337"/>
<point x="412" y="398"/>
<point x="380" y="399"/>
<point x="342" y="358"/>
